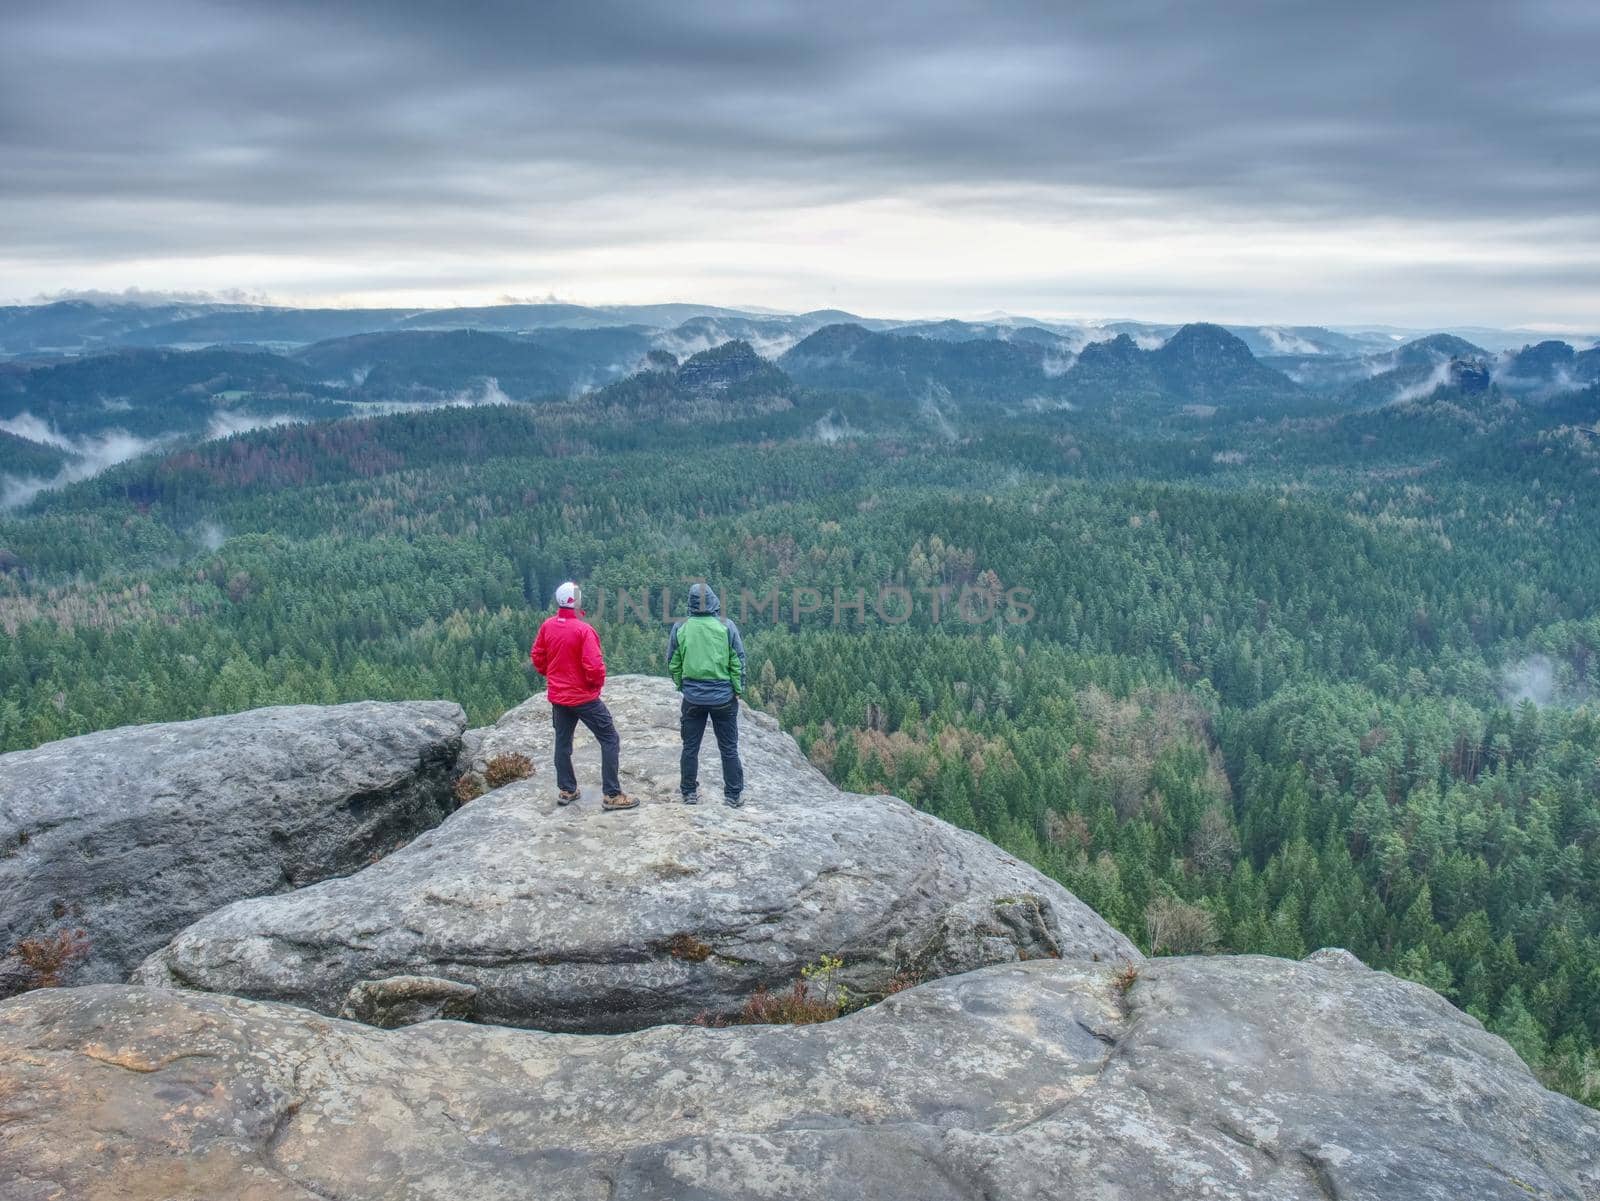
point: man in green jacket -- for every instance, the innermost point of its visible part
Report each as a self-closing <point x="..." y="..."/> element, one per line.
<point x="705" y="656"/>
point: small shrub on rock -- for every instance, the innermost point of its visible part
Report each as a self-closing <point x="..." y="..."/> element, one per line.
<point x="688" y="947"/>
<point x="507" y="769"/>
<point x="816" y="997"/>
<point x="469" y="788"/>
<point x="46" y="958"/>
<point x="795" y="1006"/>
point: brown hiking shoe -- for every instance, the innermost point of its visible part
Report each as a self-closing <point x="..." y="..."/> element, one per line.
<point x="619" y="800"/>
<point x="563" y="797"/>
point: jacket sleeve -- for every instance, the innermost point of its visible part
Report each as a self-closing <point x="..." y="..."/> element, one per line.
<point x="735" y="658"/>
<point x="594" y="660"/>
<point x="675" y="657"/>
<point x="539" y="653"/>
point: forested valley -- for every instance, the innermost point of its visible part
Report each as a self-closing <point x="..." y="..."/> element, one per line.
<point x="1288" y="674"/>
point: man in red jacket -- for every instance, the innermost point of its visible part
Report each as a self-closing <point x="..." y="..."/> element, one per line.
<point x="567" y="653"/>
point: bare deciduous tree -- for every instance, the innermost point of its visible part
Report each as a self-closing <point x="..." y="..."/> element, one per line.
<point x="1179" y="928"/>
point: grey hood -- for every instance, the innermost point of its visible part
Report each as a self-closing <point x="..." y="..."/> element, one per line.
<point x="703" y="600"/>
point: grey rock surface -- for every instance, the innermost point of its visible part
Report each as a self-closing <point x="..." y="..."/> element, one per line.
<point x="577" y="920"/>
<point x="1228" y="1079"/>
<point x="131" y="834"/>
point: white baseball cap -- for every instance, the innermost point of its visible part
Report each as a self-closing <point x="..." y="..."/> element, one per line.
<point x="568" y="596"/>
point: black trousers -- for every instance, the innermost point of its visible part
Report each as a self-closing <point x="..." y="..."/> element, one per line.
<point x="594" y="715"/>
<point x="725" y="723"/>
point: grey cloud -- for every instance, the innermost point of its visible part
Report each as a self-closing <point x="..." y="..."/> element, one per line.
<point x="138" y="128"/>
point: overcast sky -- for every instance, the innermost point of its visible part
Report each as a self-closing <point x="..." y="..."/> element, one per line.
<point x="1413" y="163"/>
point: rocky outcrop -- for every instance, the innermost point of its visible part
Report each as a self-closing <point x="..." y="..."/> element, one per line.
<point x="131" y="834"/>
<point x="577" y="920"/>
<point x="1222" y="1078"/>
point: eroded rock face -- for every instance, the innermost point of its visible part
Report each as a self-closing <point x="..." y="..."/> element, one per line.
<point x="1217" y="1077"/>
<point x="131" y="834"/>
<point x="577" y="920"/>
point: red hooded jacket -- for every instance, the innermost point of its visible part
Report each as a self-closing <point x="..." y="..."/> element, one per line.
<point x="567" y="654"/>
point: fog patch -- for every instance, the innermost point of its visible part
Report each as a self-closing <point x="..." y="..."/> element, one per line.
<point x="227" y="424"/>
<point x="90" y="456"/>
<point x="1438" y="378"/>
<point x="210" y="535"/>
<point x="1048" y="404"/>
<point x="1087" y="334"/>
<point x="1057" y="362"/>
<point x="26" y="425"/>
<point x="487" y="393"/>
<point x="932" y="410"/>
<point x="1533" y="679"/>
<point x="1281" y="341"/>
<point x="768" y="346"/>
<point x="833" y="427"/>
<point x="1534" y="387"/>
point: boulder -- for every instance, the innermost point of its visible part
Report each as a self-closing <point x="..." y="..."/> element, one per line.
<point x="1225" y="1078"/>
<point x="577" y="920"/>
<point x="131" y="834"/>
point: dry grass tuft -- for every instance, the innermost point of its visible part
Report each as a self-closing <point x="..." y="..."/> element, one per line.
<point x="507" y="769"/>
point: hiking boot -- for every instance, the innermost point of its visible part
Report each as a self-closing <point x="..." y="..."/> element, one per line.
<point x="619" y="800"/>
<point x="733" y="802"/>
<point x="691" y="798"/>
<point x="563" y="797"/>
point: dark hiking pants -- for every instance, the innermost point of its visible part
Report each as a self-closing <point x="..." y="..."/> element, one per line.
<point x="725" y="723"/>
<point x="594" y="715"/>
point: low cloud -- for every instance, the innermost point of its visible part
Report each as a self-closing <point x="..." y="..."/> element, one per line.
<point x="768" y="346"/>
<point x="153" y="298"/>
<point x="1281" y="341"/>
<point x="226" y="424"/>
<point x="26" y="425"/>
<point x="833" y="427"/>
<point x="932" y="411"/>
<point x="1533" y="679"/>
<point x="1057" y="362"/>
<point x="90" y="456"/>
<point x="1437" y="378"/>
<point x="488" y="392"/>
<point x="210" y="535"/>
<point x="1538" y="388"/>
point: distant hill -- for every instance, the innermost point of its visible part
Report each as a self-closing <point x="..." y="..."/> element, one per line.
<point x="1205" y="364"/>
<point x="1198" y="364"/>
<point x="727" y="381"/>
<point x="1444" y="361"/>
<point x="149" y="393"/>
<point x="1436" y="348"/>
<point x="70" y="326"/>
<point x="80" y="326"/>
<point x="265" y="327"/>
<point x="908" y="367"/>
<point x="1548" y="367"/>
<point x="428" y="365"/>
